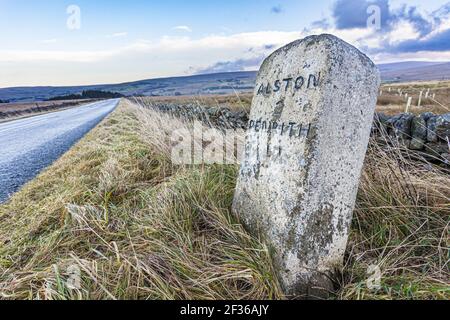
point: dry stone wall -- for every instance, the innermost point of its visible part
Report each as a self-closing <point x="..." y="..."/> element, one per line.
<point x="426" y="134"/>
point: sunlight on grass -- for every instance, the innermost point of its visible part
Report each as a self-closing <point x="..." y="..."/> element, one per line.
<point x="139" y="228"/>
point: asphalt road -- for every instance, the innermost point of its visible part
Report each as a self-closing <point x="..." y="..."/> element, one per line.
<point x="28" y="146"/>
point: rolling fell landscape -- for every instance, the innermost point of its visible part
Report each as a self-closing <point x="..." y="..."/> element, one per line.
<point x="251" y="172"/>
<point x="216" y="83"/>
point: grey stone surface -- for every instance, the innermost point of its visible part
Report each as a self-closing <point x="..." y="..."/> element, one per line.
<point x="419" y="128"/>
<point x="437" y="149"/>
<point x="426" y="116"/>
<point x="399" y="126"/>
<point x="446" y="157"/>
<point x="309" y="127"/>
<point x="431" y="130"/>
<point x="417" y="144"/>
<point x="443" y="126"/>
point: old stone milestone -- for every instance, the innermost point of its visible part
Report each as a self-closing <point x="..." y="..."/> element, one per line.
<point x="308" y="134"/>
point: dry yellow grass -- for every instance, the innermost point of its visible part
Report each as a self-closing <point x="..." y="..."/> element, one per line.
<point x="391" y="103"/>
<point x="138" y="227"/>
<point x="235" y="101"/>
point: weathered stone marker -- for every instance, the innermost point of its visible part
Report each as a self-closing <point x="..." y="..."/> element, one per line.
<point x="310" y="124"/>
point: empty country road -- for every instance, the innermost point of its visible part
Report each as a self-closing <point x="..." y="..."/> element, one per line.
<point x="27" y="146"/>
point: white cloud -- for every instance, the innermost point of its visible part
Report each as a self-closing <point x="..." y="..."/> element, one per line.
<point x="183" y="28"/>
<point x="432" y="56"/>
<point x="205" y="50"/>
<point x="402" y="31"/>
<point x="220" y="46"/>
<point x="118" y="35"/>
<point x="47" y="41"/>
<point x="444" y="25"/>
<point x="179" y="55"/>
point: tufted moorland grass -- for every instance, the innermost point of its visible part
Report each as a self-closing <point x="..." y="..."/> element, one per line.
<point x="389" y="103"/>
<point x="137" y="227"/>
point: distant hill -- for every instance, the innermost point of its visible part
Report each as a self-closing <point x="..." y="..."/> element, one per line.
<point x="89" y="94"/>
<point x="398" y="66"/>
<point x="219" y="83"/>
<point x="415" y="71"/>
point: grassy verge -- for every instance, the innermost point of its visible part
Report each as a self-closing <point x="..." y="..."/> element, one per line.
<point x="17" y="111"/>
<point x="401" y="225"/>
<point x="241" y="101"/>
<point x="137" y="227"/>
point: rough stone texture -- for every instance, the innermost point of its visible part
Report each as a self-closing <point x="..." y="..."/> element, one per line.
<point x="431" y="130"/>
<point x="443" y="126"/>
<point x="446" y="156"/>
<point x="417" y="144"/>
<point x="419" y="128"/>
<point x="426" y="116"/>
<point x="437" y="149"/>
<point x="304" y="152"/>
<point x="399" y="127"/>
<point x="427" y="133"/>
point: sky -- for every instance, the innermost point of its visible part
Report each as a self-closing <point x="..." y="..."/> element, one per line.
<point x="80" y="42"/>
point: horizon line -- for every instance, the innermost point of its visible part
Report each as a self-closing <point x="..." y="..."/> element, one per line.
<point x="188" y="76"/>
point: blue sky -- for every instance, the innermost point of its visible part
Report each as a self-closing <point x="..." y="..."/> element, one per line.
<point x="130" y="40"/>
